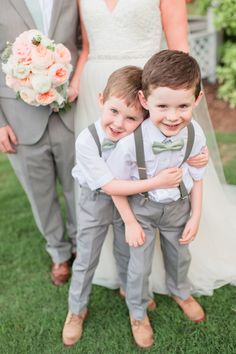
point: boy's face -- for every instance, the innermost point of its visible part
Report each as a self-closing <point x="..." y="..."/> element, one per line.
<point x="170" y="110"/>
<point x="118" y="120"/>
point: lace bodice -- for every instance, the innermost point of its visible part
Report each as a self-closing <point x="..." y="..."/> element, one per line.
<point x="132" y="29"/>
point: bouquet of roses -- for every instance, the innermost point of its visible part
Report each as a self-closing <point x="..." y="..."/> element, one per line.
<point x="38" y="70"/>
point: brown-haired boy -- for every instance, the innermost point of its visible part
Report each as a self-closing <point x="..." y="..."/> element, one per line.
<point x="170" y="91"/>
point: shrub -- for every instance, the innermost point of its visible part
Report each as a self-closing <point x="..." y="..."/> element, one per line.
<point x="225" y="19"/>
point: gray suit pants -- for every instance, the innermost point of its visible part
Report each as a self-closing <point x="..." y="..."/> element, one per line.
<point x="170" y="219"/>
<point x="38" y="167"/>
<point x="96" y="213"/>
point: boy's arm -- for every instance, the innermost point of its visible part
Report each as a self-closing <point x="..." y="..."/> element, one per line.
<point x="168" y="178"/>
<point x="134" y="233"/>
<point x="192" y="225"/>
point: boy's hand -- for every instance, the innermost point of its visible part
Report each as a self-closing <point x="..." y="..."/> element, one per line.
<point x="200" y="160"/>
<point x="134" y="234"/>
<point x="7" y="140"/>
<point x="169" y="178"/>
<point x="189" y="232"/>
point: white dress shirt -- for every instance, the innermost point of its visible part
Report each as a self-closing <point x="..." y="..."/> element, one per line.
<point x="91" y="170"/>
<point x="46" y="8"/>
<point x="123" y="165"/>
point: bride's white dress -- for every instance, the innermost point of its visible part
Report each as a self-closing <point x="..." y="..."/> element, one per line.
<point x="129" y="35"/>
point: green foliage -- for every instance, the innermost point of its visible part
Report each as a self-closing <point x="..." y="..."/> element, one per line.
<point x="203" y="5"/>
<point x="225" y="19"/>
<point x="226" y="74"/>
<point x="6" y="53"/>
<point x="225" y="15"/>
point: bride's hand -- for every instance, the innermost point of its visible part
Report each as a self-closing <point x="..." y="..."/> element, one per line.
<point x="200" y="160"/>
<point x="72" y="93"/>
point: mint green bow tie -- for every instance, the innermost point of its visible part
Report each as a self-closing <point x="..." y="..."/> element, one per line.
<point x="158" y="147"/>
<point x="108" y="144"/>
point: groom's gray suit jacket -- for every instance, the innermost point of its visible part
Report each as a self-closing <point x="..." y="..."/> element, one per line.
<point x="28" y="122"/>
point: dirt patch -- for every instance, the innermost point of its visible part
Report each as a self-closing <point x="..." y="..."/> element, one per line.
<point x="223" y="117"/>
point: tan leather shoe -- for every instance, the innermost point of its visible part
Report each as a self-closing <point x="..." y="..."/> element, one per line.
<point x="142" y="332"/>
<point x="151" y="303"/>
<point x="73" y="328"/>
<point x="191" y="308"/>
<point x="60" y="273"/>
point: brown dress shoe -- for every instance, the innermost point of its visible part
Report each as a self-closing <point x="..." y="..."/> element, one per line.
<point x="73" y="328"/>
<point x="191" y="308"/>
<point x="60" y="273"/>
<point x="142" y="332"/>
<point x="151" y="303"/>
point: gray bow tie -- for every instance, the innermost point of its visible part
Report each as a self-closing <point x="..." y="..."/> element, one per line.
<point x="108" y="144"/>
<point x="158" y="147"/>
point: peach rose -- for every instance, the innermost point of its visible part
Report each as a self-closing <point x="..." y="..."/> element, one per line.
<point x="46" y="98"/>
<point x="28" y="96"/>
<point x="22" y="48"/>
<point x="42" y="57"/>
<point x="59" y="74"/>
<point x="62" y="54"/>
<point x="13" y="83"/>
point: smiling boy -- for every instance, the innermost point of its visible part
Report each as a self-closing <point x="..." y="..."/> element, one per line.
<point x="170" y="91"/>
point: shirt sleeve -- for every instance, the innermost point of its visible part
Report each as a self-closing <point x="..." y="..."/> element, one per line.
<point x="120" y="160"/>
<point x="88" y="162"/>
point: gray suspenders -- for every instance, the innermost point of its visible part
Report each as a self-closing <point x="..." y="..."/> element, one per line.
<point x="94" y="133"/>
<point x="138" y="138"/>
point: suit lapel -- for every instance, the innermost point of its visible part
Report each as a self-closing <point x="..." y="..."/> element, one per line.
<point x="56" y="10"/>
<point x="23" y="12"/>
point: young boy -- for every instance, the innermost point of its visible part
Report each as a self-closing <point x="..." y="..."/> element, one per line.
<point x="121" y="114"/>
<point x="170" y="91"/>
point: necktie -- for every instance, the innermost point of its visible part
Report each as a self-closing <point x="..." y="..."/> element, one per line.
<point x="35" y="10"/>
<point x="108" y="144"/>
<point x="158" y="147"/>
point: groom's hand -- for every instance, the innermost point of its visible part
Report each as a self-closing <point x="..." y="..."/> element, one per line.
<point x="7" y="140"/>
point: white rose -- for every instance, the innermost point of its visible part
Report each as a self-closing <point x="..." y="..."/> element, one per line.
<point x="41" y="83"/>
<point x="21" y="71"/>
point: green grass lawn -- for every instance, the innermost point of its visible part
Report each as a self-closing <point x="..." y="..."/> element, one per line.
<point x="32" y="311"/>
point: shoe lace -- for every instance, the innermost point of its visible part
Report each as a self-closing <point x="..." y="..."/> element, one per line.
<point x="74" y="319"/>
<point x="138" y="323"/>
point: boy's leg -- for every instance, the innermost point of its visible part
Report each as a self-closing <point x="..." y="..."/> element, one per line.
<point x="176" y="256"/>
<point x="89" y="245"/>
<point x="137" y="291"/>
<point x="139" y="269"/>
<point x="95" y="217"/>
<point x="120" y="249"/>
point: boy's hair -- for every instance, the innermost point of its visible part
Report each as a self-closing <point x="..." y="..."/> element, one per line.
<point x="125" y="83"/>
<point x="173" y="69"/>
